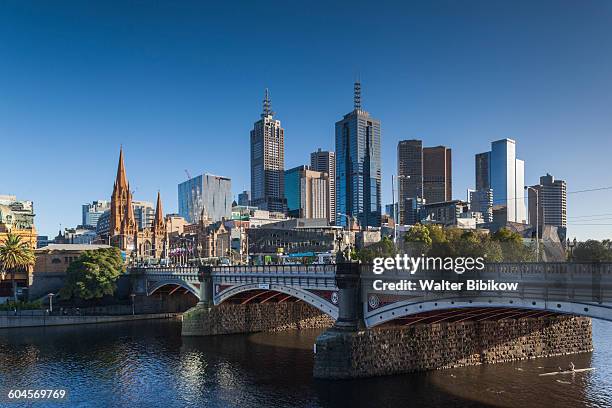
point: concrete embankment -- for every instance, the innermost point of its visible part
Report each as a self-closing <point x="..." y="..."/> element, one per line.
<point x="7" y="322"/>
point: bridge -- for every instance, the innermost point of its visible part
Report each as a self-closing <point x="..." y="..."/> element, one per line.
<point x="348" y="292"/>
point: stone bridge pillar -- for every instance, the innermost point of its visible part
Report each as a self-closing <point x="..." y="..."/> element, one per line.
<point x="349" y="310"/>
<point x="206" y="286"/>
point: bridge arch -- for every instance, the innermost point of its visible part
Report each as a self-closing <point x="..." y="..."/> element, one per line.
<point x="174" y="282"/>
<point x="328" y="307"/>
<point x="407" y="308"/>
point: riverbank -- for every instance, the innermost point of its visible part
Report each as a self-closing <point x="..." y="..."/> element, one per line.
<point x="8" y="322"/>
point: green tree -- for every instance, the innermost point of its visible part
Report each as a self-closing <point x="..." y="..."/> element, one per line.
<point x="512" y="246"/>
<point x="385" y="248"/>
<point x="15" y="255"/>
<point x="592" y="251"/>
<point x="418" y="233"/>
<point x="93" y="275"/>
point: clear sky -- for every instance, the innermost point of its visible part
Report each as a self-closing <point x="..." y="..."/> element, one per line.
<point x="180" y="84"/>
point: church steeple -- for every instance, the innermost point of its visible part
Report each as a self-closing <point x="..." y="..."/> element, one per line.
<point x="121" y="179"/>
<point x="129" y="220"/>
<point x="158" y="224"/>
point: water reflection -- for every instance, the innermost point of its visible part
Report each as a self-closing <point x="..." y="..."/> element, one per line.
<point x="149" y="364"/>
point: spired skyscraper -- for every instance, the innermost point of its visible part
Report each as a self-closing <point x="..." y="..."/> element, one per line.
<point x="268" y="161"/>
<point x="358" y="174"/>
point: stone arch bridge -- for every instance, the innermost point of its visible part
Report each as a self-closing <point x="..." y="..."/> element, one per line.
<point x="348" y="292"/>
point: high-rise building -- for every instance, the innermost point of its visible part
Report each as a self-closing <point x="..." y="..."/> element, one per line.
<point x="437" y="174"/>
<point x="409" y="173"/>
<point x="422" y="172"/>
<point x="268" y="161"/>
<point x="482" y="201"/>
<point x="144" y="212"/>
<point x="326" y="162"/>
<point x="502" y="172"/>
<point x="208" y="194"/>
<point x="91" y="212"/>
<point x="244" y="198"/>
<point x="307" y="193"/>
<point x="552" y="200"/>
<point x="358" y="172"/>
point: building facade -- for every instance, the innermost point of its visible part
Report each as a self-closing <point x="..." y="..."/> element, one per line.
<point x="358" y="167"/>
<point x="17" y="218"/>
<point x="482" y="201"/>
<point x="500" y="171"/>
<point x="244" y="198"/>
<point x="268" y="161"/>
<point x="325" y="162"/>
<point x="437" y="174"/>
<point x="209" y="193"/>
<point x="552" y="200"/>
<point x="307" y="193"/>
<point x="409" y="174"/>
<point x="91" y="212"/>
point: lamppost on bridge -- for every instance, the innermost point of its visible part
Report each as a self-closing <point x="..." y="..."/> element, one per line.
<point x="133" y="295"/>
<point x="51" y="302"/>
<point x="537" y="193"/>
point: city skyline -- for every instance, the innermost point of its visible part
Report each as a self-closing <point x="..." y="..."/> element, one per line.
<point x="77" y="112"/>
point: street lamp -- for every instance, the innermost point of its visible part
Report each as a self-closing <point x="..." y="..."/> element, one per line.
<point x="51" y="302"/>
<point x="133" y="306"/>
<point x="537" y="193"/>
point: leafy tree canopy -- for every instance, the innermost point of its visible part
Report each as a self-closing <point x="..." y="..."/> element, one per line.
<point x="382" y="249"/>
<point x="592" y="251"/>
<point x="93" y="274"/>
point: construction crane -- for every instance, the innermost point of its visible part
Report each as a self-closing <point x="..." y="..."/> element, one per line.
<point x="188" y="175"/>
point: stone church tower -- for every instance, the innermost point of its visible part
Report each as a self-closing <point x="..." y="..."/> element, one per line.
<point x="124" y="231"/>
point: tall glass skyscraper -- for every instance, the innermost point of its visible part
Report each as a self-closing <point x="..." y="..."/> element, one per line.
<point x="358" y="170"/>
<point x="208" y="194"/>
<point x="502" y="172"/>
<point x="268" y="161"/>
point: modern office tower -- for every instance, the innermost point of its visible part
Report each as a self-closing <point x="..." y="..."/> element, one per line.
<point x="502" y="172"/>
<point x="307" y="193"/>
<point x="91" y="212"/>
<point x="244" y="198"/>
<point x="268" y="161"/>
<point x="358" y="173"/>
<point x="482" y="201"/>
<point x="390" y="210"/>
<point x="483" y="180"/>
<point x="423" y="173"/>
<point x="552" y="199"/>
<point x="144" y="212"/>
<point x="412" y="209"/>
<point x="205" y="194"/>
<point x="437" y="174"/>
<point x="326" y="162"/>
<point x="409" y="173"/>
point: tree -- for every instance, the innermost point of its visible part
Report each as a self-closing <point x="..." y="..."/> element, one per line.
<point x="385" y="248"/>
<point x="512" y="246"/>
<point x="592" y="251"/>
<point x="93" y="274"/>
<point x="418" y="233"/>
<point x="15" y="255"/>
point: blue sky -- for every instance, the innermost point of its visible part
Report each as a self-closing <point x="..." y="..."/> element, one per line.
<point x="180" y="84"/>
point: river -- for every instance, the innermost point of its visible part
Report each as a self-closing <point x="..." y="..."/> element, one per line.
<point x="148" y="364"/>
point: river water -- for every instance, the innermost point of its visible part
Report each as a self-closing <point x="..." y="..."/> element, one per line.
<point x="148" y="364"/>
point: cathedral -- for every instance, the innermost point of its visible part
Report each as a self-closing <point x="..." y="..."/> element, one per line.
<point x="124" y="232"/>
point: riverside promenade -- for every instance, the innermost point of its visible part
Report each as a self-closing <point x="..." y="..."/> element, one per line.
<point x="25" y="319"/>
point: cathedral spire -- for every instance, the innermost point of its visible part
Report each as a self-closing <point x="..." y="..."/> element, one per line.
<point x="159" y="214"/>
<point x="129" y="219"/>
<point x="121" y="179"/>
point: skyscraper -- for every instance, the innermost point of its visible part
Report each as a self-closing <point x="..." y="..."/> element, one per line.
<point x="205" y="193"/>
<point x="552" y="200"/>
<point x="423" y="173"/>
<point x="409" y="173"/>
<point x="502" y="172"/>
<point x="437" y="174"/>
<point x="307" y="193"/>
<point x="326" y="162"/>
<point x="91" y="212"/>
<point x="268" y="161"/>
<point x="358" y="173"/>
